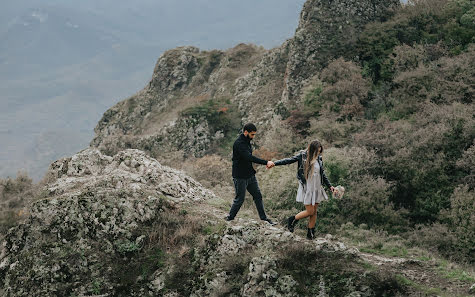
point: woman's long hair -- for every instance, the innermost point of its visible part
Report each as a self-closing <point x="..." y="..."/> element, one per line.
<point x="312" y="155"/>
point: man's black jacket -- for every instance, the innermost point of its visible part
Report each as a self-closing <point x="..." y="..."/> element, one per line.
<point x="300" y="158"/>
<point x="243" y="158"/>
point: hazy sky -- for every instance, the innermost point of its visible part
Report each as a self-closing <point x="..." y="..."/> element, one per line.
<point x="63" y="63"/>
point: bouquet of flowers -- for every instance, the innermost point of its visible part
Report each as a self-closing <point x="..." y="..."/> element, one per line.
<point x="339" y="191"/>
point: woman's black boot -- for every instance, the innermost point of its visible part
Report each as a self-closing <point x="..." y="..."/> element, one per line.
<point x="310" y="233"/>
<point x="291" y="223"/>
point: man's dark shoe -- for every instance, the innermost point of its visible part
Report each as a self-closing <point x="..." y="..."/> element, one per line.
<point x="290" y="223"/>
<point x="269" y="221"/>
<point x="228" y="218"/>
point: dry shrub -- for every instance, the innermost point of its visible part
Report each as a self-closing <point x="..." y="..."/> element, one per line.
<point x="331" y="131"/>
<point x="281" y="138"/>
<point x="15" y="194"/>
<point x="420" y="155"/>
<point x="345" y="87"/>
<point x="347" y="164"/>
<point x="367" y="196"/>
<point x="243" y="56"/>
<point x="338" y="70"/>
<point x="436" y="237"/>
<point x="412" y="88"/>
<point x="175" y="230"/>
<point x="210" y="170"/>
<point x="429" y="133"/>
<point x="367" y="202"/>
<point x="299" y="121"/>
<point x="444" y="81"/>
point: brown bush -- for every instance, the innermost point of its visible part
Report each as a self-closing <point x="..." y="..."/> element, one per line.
<point x="281" y="138"/>
<point x="299" y="121"/>
<point x="435" y="237"/>
<point x="332" y="131"/>
<point x="446" y="80"/>
<point x="420" y="155"/>
<point x="210" y="170"/>
<point x="15" y="194"/>
<point x="338" y="70"/>
<point x="345" y="87"/>
<point x="367" y="202"/>
<point x="350" y="163"/>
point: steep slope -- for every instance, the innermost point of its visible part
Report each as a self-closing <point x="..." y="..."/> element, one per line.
<point x="256" y="83"/>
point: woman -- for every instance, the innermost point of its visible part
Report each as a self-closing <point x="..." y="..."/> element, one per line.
<point x="311" y="177"/>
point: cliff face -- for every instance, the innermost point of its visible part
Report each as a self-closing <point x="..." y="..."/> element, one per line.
<point x="257" y="83"/>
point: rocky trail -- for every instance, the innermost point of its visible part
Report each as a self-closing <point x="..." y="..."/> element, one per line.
<point x="422" y="277"/>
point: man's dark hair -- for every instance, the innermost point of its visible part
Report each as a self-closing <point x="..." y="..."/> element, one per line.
<point x="250" y="127"/>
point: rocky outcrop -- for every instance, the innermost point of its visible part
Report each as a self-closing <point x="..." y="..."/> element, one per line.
<point x="96" y="211"/>
<point x="184" y="77"/>
<point x="251" y="258"/>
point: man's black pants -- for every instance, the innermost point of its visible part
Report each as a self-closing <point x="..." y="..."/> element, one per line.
<point x="240" y="187"/>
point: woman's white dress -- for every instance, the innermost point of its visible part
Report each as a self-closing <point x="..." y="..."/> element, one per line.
<point x="312" y="192"/>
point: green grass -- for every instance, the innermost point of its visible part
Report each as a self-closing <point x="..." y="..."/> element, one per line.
<point x="423" y="258"/>
<point x="214" y="229"/>
<point x="421" y="288"/>
<point x="454" y="273"/>
<point x="96" y="287"/>
<point x="368" y="266"/>
<point x="391" y="251"/>
<point x="127" y="247"/>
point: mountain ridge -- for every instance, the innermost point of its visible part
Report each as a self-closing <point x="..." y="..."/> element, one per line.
<point x="396" y="121"/>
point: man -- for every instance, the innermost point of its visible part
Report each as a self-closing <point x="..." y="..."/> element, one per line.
<point x="244" y="174"/>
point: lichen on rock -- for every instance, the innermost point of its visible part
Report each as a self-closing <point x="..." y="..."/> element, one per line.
<point x="96" y="211"/>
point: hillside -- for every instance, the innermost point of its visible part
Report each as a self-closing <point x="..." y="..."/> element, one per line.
<point x="388" y="89"/>
<point x="128" y="226"/>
